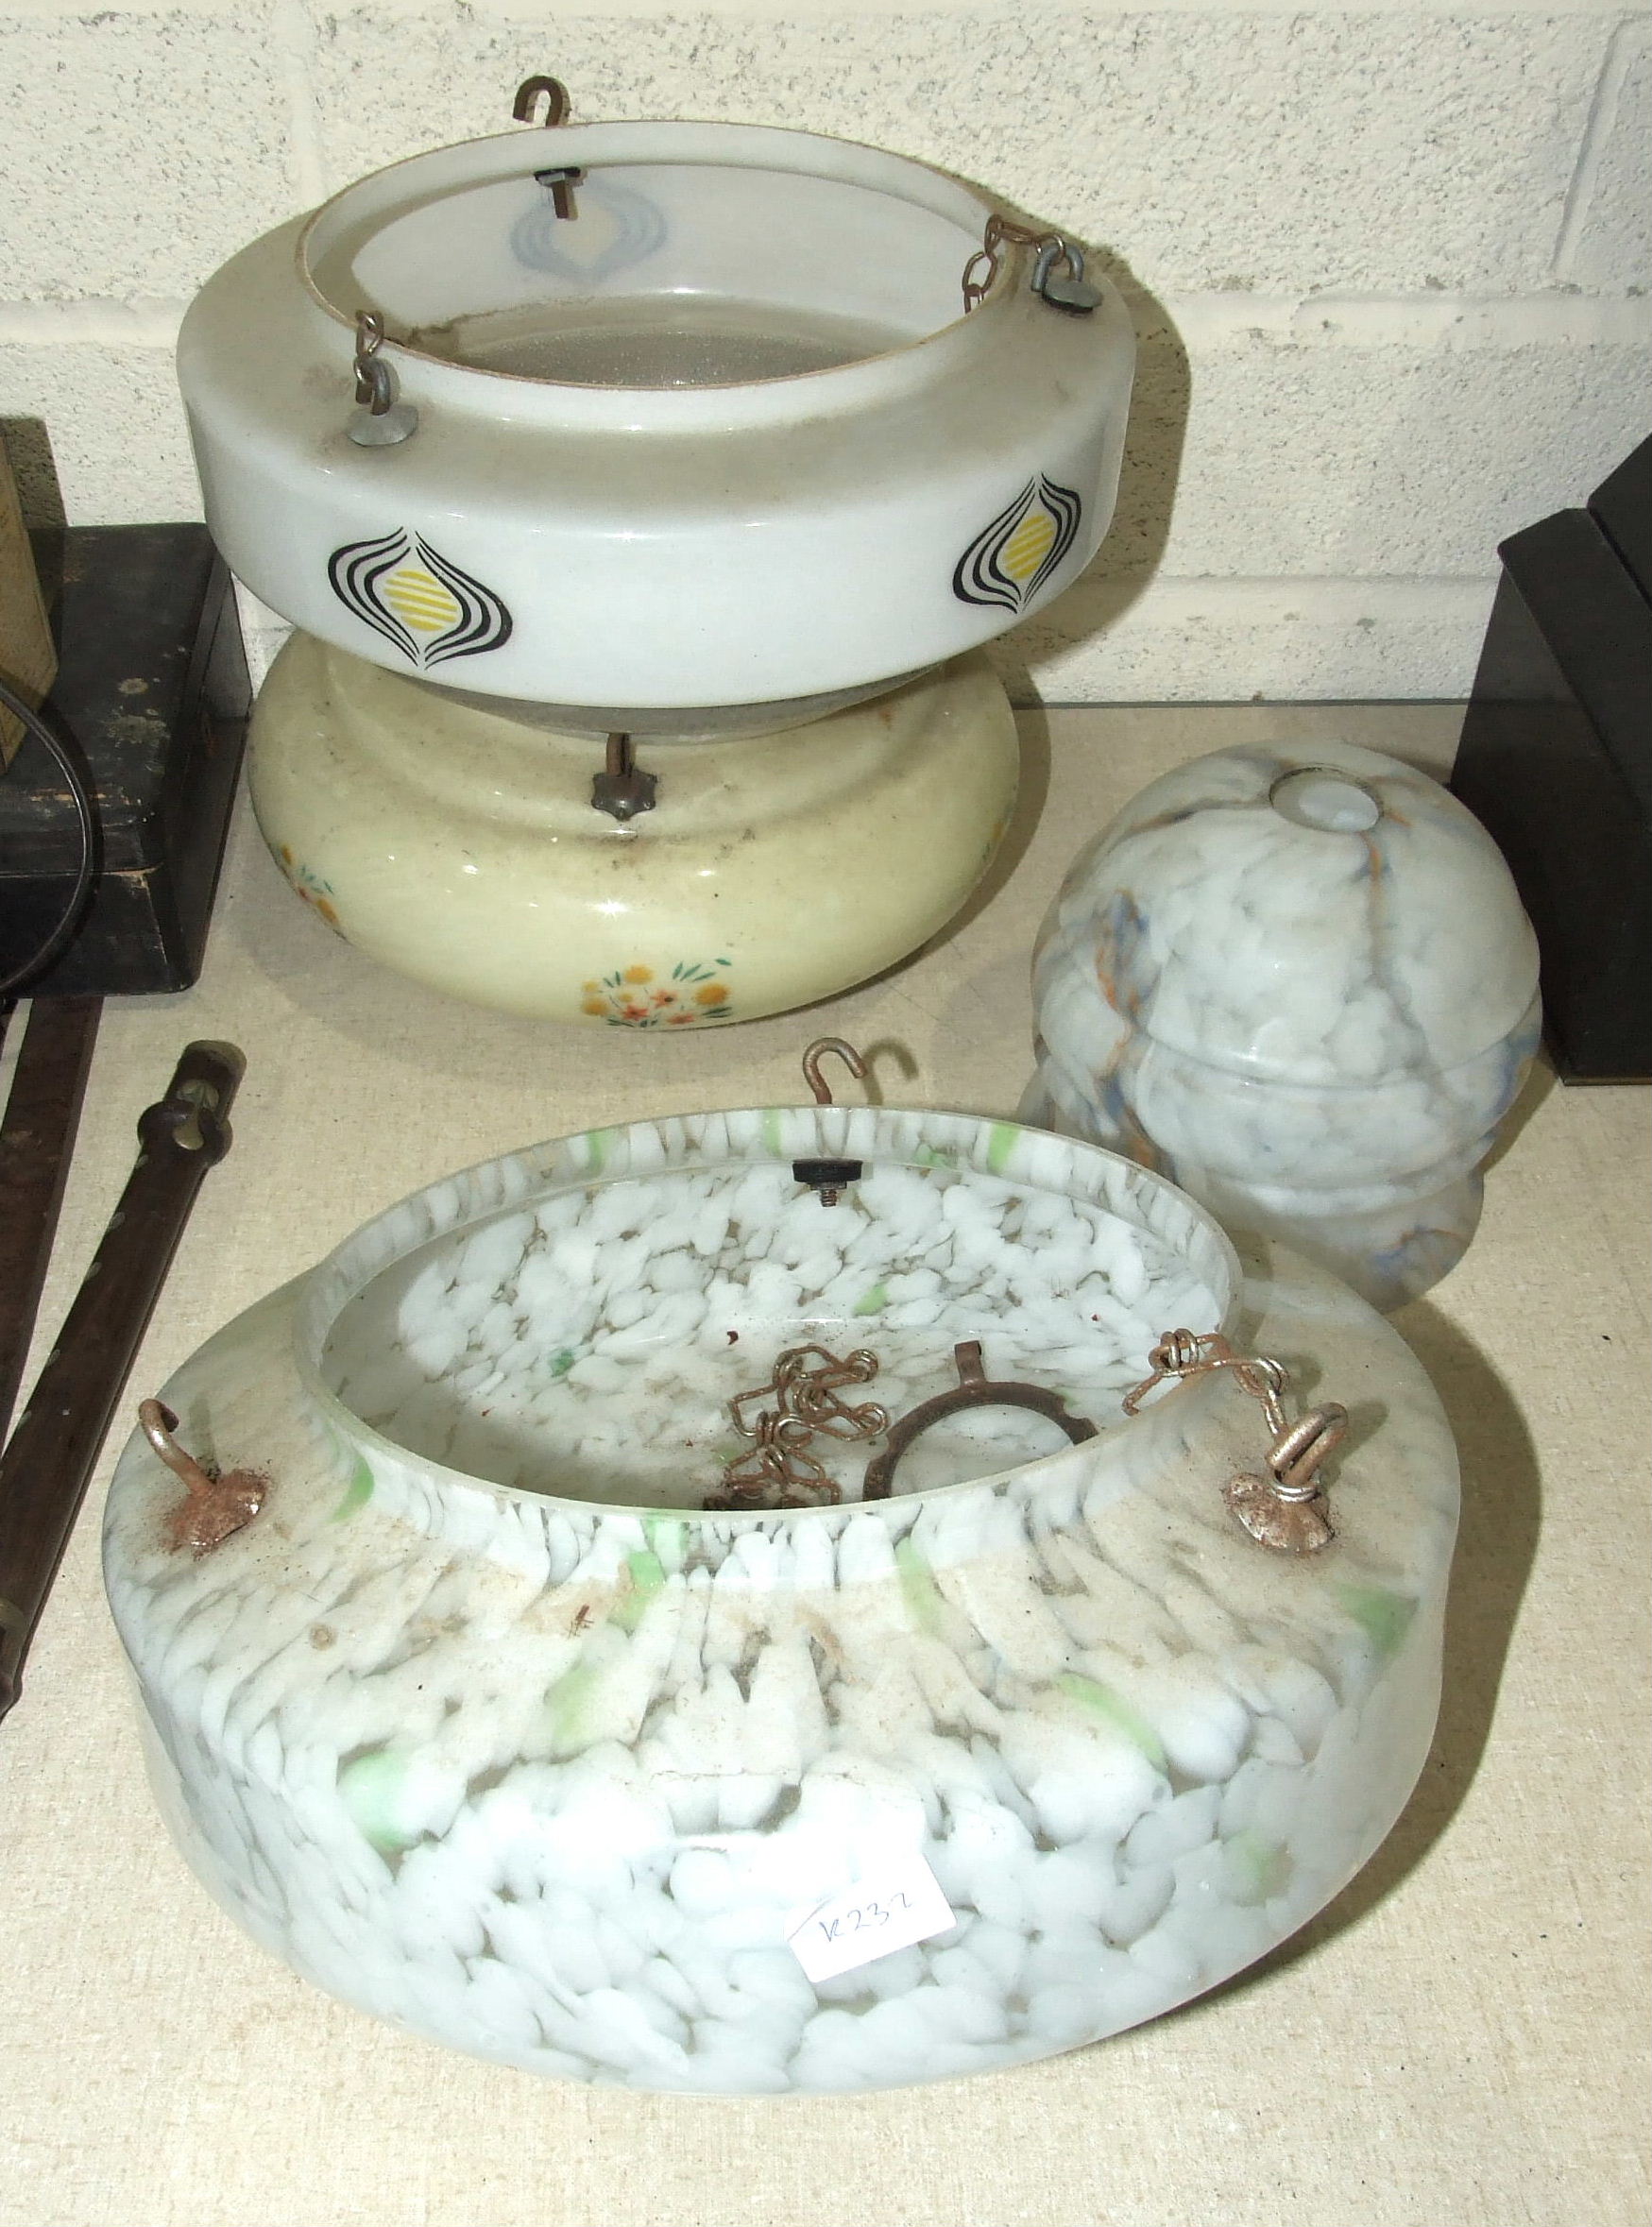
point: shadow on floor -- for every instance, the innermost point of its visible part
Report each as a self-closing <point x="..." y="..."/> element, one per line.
<point x="1540" y="1081"/>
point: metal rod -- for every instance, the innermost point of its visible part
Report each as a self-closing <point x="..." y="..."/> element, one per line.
<point x="45" y="1469"/>
<point x="37" y="1140"/>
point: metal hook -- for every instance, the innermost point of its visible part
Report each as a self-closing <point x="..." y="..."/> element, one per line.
<point x="213" y="1507"/>
<point x="1284" y="1510"/>
<point x="1295" y="1455"/>
<point x="1070" y="293"/>
<point x="812" y="1058"/>
<point x="561" y="181"/>
<point x="380" y="419"/>
<point x="826" y="1178"/>
<point x="375" y="389"/>
<point x="158" y="1423"/>
<point x="558" y="102"/>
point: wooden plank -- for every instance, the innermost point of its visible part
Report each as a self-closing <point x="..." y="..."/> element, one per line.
<point x="28" y="661"/>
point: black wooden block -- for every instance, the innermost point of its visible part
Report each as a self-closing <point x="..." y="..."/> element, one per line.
<point x="1556" y="760"/>
<point x="152" y="685"/>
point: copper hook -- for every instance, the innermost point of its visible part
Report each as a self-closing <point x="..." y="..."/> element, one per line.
<point x="563" y="180"/>
<point x="558" y="102"/>
<point x="1284" y="1510"/>
<point x="158" y="1423"/>
<point x="812" y="1058"/>
<point x="213" y="1505"/>
<point x="1294" y="1458"/>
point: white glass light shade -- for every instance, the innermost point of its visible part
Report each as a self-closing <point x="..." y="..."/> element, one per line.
<point x="723" y="437"/>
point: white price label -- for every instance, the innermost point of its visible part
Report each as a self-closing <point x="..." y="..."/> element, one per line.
<point x="891" y="1908"/>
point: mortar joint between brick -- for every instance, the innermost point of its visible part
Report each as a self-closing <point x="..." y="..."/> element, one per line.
<point x="1424" y="323"/>
<point x="143" y="322"/>
<point x="292" y="30"/>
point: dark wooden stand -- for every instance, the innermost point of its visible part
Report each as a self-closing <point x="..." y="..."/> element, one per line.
<point x="152" y="687"/>
<point x="1556" y="760"/>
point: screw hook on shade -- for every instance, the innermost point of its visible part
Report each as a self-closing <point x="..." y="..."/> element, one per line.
<point x="213" y="1505"/>
<point x="375" y="387"/>
<point x="380" y="420"/>
<point x="812" y="1058"/>
<point x="1066" y="290"/>
<point x="554" y="95"/>
<point x="562" y="180"/>
<point x="827" y="1177"/>
<point x="1284" y="1510"/>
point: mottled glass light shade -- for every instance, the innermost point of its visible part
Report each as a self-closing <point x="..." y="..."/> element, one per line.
<point x="486" y="1727"/>
<point x="1300" y="983"/>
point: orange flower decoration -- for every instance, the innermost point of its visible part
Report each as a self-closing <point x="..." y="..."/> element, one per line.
<point x="639" y="997"/>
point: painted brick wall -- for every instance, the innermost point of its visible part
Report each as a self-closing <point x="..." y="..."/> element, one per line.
<point x="1391" y="264"/>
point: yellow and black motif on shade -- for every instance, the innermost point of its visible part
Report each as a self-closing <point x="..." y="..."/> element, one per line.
<point x="411" y="594"/>
<point x="1009" y="561"/>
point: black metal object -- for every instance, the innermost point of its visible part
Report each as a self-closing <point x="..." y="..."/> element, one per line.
<point x="37" y="1138"/>
<point x="1556" y="760"/>
<point x="18" y="975"/>
<point x="153" y="687"/>
<point x="827" y="1179"/>
<point x="45" y="1467"/>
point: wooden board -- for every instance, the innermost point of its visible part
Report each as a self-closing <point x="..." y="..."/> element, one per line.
<point x="28" y="663"/>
